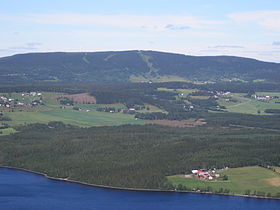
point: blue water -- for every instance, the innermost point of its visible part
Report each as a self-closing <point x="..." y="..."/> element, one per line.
<point x="23" y="190"/>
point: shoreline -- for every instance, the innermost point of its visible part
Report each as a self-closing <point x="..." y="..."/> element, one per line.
<point x="132" y="189"/>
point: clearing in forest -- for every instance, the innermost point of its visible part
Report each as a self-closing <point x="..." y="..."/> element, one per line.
<point x="82" y="98"/>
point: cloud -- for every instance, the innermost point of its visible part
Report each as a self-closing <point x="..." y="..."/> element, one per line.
<point x="21" y="48"/>
<point x="267" y="19"/>
<point x="33" y="44"/>
<point x="176" y="27"/>
<point x="276" y="43"/>
<point x="208" y="50"/>
<point x="227" y="46"/>
<point x="147" y="22"/>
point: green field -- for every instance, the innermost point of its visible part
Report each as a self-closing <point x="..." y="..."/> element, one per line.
<point x="151" y="109"/>
<point x="250" y="106"/>
<point x="200" y="97"/>
<point x="269" y="93"/>
<point x="252" y="178"/>
<point x="184" y="91"/>
<point x="95" y="106"/>
<point x="7" y="131"/>
<point x="149" y="78"/>
<point x="52" y="111"/>
<point x="68" y="116"/>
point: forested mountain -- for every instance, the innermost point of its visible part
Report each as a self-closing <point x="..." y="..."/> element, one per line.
<point x="131" y="66"/>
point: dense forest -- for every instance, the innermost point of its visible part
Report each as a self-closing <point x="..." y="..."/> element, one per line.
<point x="135" y="156"/>
<point x="95" y="88"/>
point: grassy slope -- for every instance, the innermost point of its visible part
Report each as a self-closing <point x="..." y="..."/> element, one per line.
<point x="240" y="179"/>
<point x="249" y="106"/>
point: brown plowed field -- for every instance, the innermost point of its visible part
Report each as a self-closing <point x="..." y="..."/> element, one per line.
<point x="82" y="98"/>
<point x="274" y="181"/>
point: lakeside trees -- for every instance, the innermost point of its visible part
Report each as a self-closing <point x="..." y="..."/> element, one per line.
<point x="134" y="156"/>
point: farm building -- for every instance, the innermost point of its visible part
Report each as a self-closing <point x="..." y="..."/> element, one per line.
<point x="202" y="174"/>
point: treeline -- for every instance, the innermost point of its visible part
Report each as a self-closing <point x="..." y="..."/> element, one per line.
<point x="183" y="115"/>
<point x="134" y="156"/>
<point x="238" y="87"/>
<point x="247" y="120"/>
<point x="272" y="111"/>
<point x="241" y="87"/>
<point x="4" y="118"/>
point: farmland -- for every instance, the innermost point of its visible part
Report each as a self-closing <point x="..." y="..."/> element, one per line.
<point x="247" y="105"/>
<point x="233" y="102"/>
<point x="72" y="117"/>
<point x="84" y="111"/>
<point x="253" y="178"/>
<point x="52" y="110"/>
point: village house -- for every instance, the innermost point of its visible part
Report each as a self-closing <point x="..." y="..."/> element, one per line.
<point x="263" y="98"/>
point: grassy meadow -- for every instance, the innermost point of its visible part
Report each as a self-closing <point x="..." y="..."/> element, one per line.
<point x="250" y="106"/>
<point x="67" y="116"/>
<point x="178" y="91"/>
<point x="253" y="178"/>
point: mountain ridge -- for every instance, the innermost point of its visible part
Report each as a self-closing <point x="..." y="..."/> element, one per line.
<point x="133" y="65"/>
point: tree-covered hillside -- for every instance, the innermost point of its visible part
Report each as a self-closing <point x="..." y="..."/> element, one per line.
<point x="135" y="156"/>
<point x="131" y="66"/>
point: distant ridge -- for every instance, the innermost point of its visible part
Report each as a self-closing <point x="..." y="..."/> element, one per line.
<point x="133" y="66"/>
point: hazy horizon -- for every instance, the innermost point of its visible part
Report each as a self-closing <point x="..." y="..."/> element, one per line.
<point x="199" y="28"/>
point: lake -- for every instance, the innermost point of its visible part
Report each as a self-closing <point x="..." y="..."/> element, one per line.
<point x="24" y="190"/>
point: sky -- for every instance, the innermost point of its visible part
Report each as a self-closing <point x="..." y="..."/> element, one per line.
<point x="247" y="28"/>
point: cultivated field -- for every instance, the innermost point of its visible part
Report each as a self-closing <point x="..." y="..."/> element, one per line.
<point x="249" y="105"/>
<point x="82" y="98"/>
<point x="252" y="178"/>
<point x="178" y="91"/>
<point x="52" y="110"/>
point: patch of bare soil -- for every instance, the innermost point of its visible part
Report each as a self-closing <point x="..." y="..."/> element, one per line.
<point x="273" y="181"/>
<point x="82" y="98"/>
<point x="277" y="170"/>
<point x="180" y="123"/>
